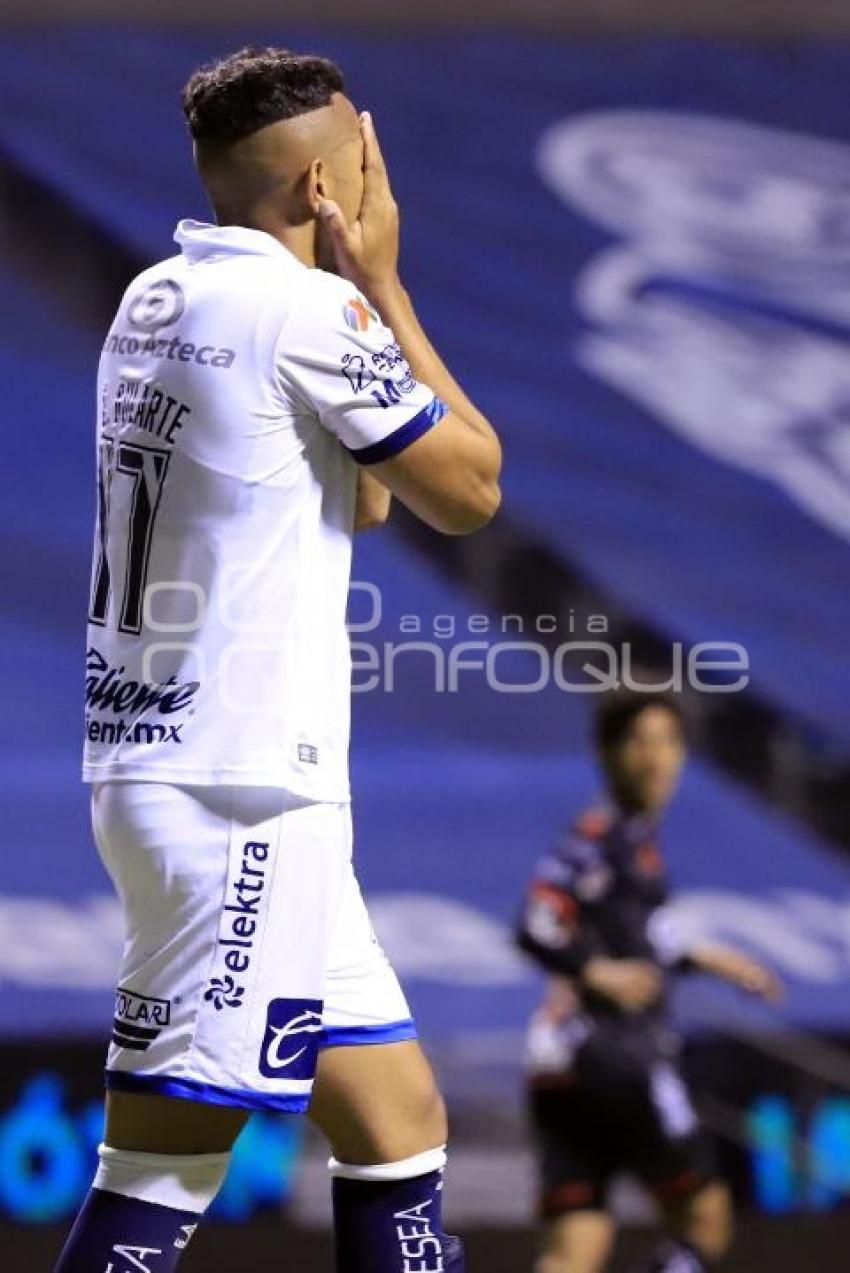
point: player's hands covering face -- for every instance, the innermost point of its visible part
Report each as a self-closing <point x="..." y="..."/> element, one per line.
<point x="367" y="251"/>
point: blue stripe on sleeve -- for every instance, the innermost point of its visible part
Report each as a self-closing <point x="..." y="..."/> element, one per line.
<point x="396" y="442"/>
<point x="338" y="1036"/>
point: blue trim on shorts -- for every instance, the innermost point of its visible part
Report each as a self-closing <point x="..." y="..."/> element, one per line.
<point x="403" y="436"/>
<point x="340" y="1036"/>
<point x="206" y="1093"/>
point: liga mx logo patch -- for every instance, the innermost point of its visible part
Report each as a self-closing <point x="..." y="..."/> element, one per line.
<point x="291" y="1042"/>
<point x="358" y="314"/>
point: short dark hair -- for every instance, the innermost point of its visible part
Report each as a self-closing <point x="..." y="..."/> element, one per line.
<point x="619" y="708"/>
<point x="227" y="100"/>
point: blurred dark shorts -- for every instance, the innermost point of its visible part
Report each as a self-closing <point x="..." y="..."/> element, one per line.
<point x="611" y="1115"/>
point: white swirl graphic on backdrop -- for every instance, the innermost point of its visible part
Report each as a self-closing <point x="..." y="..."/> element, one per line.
<point x="48" y="944"/>
<point x="725" y="311"/>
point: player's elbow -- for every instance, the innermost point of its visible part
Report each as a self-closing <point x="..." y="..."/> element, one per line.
<point x="477" y="507"/>
<point x="370" y="518"/>
<point x="472" y="490"/>
<point x="525" y="942"/>
<point x="484" y="507"/>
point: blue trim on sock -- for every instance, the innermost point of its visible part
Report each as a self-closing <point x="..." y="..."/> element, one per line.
<point x="355" y="1035"/>
<point x="403" y="436"/>
<point x="206" y="1093"/>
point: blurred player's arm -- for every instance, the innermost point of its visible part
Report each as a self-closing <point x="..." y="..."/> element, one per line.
<point x="373" y="502"/>
<point x="551" y="932"/>
<point x="739" y="969"/>
<point x="448" y="477"/>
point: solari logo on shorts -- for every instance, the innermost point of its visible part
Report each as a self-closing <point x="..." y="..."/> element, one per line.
<point x="241" y="918"/>
<point x="291" y="1042"/>
<point x="139" y="1019"/>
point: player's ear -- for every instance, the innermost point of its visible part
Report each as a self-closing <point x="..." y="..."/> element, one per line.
<point x="315" y="186"/>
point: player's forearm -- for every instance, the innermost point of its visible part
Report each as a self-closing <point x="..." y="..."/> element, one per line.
<point x="396" y="309"/>
<point x="716" y="960"/>
<point x="707" y="959"/>
<point x="567" y="960"/>
<point x="739" y="969"/>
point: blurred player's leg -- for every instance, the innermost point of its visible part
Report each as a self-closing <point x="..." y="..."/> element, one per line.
<point x="705" y="1220"/>
<point x="702" y="1224"/>
<point x="579" y="1242"/>
<point x="575" y="1150"/>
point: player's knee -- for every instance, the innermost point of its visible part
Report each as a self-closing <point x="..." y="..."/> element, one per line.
<point x="434" y="1127"/>
<point x="410" y="1124"/>
<point x="420" y="1114"/>
<point x="569" y="1264"/>
<point x="577" y="1243"/>
<point x="707" y="1220"/>
<point x="422" y="1125"/>
<point x="589" y="1262"/>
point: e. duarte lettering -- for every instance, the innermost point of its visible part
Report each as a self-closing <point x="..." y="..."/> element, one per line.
<point x="105" y="688"/>
<point x="172" y="348"/>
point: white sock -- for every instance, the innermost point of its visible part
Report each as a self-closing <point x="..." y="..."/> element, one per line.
<point x="404" y="1169"/>
<point x="185" y="1182"/>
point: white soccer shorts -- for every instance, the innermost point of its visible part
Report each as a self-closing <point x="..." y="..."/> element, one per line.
<point x="248" y="943"/>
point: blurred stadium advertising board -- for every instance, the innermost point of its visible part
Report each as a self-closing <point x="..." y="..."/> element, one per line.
<point x="51" y="1121"/>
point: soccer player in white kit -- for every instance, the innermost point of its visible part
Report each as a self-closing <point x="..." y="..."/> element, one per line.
<point x="259" y="395"/>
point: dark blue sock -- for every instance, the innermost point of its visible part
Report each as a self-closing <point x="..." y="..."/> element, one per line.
<point x="126" y="1236"/>
<point x="393" y="1226"/>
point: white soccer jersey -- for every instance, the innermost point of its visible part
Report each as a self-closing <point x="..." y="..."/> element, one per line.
<point x="236" y="390"/>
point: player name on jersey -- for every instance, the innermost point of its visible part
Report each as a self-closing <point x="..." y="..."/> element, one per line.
<point x="149" y="408"/>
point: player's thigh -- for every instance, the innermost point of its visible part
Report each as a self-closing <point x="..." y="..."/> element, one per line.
<point x="159" y="1125"/>
<point x="704" y="1218"/>
<point x="378" y="1102"/>
<point x="577" y="1242"/>
<point x="375" y="1095"/>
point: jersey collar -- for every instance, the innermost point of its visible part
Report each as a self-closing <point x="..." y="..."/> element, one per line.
<point x="201" y="240"/>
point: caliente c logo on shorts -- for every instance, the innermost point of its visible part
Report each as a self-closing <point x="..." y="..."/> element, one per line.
<point x="291" y="1041"/>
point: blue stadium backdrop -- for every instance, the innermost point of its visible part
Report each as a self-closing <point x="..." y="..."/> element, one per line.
<point x="637" y="257"/>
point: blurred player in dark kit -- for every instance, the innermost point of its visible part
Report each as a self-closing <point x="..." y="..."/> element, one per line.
<point x="605" y="1091"/>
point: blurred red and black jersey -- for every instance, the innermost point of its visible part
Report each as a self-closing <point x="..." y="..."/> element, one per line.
<point x="601" y="891"/>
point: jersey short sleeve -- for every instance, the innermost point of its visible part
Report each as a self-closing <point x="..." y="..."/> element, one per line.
<point x="336" y="357"/>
